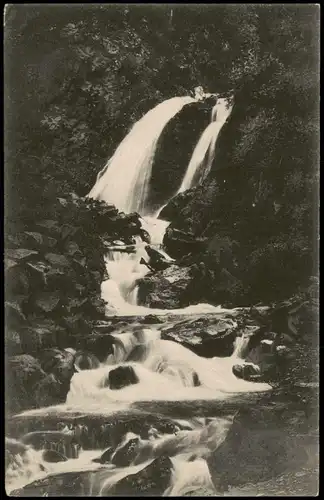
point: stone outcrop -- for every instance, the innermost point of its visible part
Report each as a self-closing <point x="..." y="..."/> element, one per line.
<point x="153" y="480"/>
<point x="165" y="289"/>
<point x="121" y="377"/>
<point x="207" y="336"/>
<point x="262" y="443"/>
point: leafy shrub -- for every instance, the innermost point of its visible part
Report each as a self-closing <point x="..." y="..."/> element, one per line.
<point x="55" y="267"/>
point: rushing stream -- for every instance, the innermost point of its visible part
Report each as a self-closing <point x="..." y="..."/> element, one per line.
<point x="165" y="372"/>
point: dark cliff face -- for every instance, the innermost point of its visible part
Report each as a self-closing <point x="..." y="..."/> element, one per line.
<point x="260" y="195"/>
<point x="175" y="148"/>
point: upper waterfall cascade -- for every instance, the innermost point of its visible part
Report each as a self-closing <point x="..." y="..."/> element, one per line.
<point x="125" y="182"/>
<point x="125" y="179"/>
<point x="203" y="155"/>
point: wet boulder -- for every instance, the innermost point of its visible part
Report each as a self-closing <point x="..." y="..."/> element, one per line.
<point x="125" y="455"/>
<point x="153" y="480"/>
<point x="298" y="319"/>
<point x="52" y="456"/>
<point x="121" y="377"/>
<point x="259" y="347"/>
<point x="105" y="457"/>
<point x="51" y="391"/>
<point x="179" y="243"/>
<point x="145" y="236"/>
<point x="247" y="371"/>
<point x="58" y="362"/>
<point x="207" y="336"/>
<point x="151" y="319"/>
<point x="195" y="380"/>
<point x="59" y="485"/>
<point x="165" y="289"/>
<point x="98" y="344"/>
<point x="157" y="260"/>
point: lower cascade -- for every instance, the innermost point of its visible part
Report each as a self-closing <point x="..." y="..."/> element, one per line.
<point x="157" y="373"/>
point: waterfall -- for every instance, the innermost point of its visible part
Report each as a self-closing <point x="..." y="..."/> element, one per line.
<point x="125" y="179"/>
<point x="203" y="155"/>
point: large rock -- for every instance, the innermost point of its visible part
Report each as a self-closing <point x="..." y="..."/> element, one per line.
<point x="125" y="455"/>
<point x="286" y="346"/>
<point x="42" y="334"/>
<point x="51" y="391"/>
<point x="172" y="210"/>
<point x="59" y="362"/>
<point x="105" y="458"/>
<point x="298" y="320"/>
<point x="174" y="150"/>
<point x="121" y="377"/>
<point x="207" y="336"/>
<point x="23" y="374"/>
<point x="151" y="319"/>
<point x="165" y="289"/>
<point x="101" y="345"/>
<point x="262" y="443"/>
<point x="61" y="485"/>
<point x="179" y="243"/>
<point x="157" y="260"/>
<point x="52" y="456"/>
<point x="12" y="342"/>
<point x="153" y="480"/>
<point x="247" y="371"/>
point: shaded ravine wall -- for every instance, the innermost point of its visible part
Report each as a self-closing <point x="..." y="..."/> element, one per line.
<point x="260" y="195"/>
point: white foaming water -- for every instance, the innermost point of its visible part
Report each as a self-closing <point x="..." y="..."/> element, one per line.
<point x="31" y="467"/>
<point x="124" y="269"/>
<point x="203" y="155"/>
<point x="166" y="372"/>
<point x="189" y="477"/>
<point x="240" y="345"/>
<point x="125" y="181"/>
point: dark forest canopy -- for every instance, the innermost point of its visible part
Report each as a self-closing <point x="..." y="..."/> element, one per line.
<point x="77" y="77"/>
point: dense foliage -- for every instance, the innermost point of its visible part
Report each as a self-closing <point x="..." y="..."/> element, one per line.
<point x="54" y="269"/>
<point x="77" y="78"/>
<point x="259" y="203"/>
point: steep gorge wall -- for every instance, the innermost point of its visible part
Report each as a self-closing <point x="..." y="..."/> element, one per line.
<point x="259" y="197"/>
<point x="175" y="148"/>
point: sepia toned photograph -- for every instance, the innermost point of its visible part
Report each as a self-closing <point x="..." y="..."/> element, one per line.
<point x="161" y="249"/>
